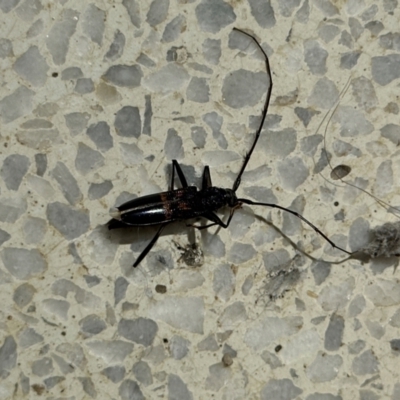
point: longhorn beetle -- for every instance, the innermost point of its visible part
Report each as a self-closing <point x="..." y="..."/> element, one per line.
<point x="189" y="202"/>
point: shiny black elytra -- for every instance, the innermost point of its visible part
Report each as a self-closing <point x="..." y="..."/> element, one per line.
<point x="189" y="202"/>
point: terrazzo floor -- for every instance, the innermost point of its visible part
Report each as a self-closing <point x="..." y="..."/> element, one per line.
<point x="97" y="99"/>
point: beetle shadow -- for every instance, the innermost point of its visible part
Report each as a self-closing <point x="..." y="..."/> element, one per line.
<point x="188" y="171"/>
<point x="139" y="236"/>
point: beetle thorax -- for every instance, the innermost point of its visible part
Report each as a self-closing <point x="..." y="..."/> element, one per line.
<point x="231" y="199"/>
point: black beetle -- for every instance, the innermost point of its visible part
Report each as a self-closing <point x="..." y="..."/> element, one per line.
<point x="190" y="202"/>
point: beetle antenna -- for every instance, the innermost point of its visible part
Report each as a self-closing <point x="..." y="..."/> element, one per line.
<point x="264" y="113"/>
<point x="254" y="203"/>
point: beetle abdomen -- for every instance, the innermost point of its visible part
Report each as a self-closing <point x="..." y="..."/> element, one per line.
<point x="154" y="209"/>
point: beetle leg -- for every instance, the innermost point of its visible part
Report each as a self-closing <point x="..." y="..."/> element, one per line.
<point x="143" y="254"/>
<point x="206" y="180"/>
<point x="177" y="167"/>
<point x="217" y="220"/>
